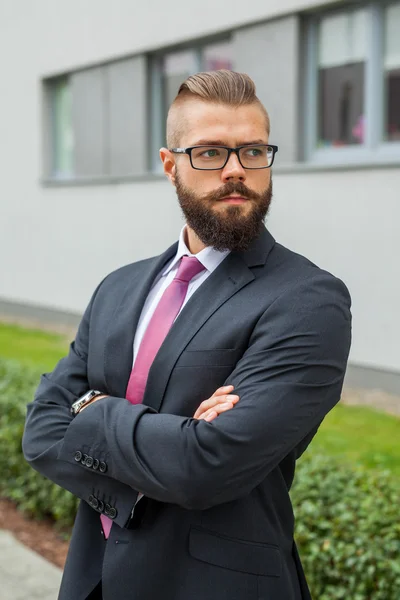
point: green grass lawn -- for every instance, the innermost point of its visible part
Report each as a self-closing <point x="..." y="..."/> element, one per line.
<point x="357" y="434"/>
<point x="361" y="435"/>
<point x="32" y="347"/>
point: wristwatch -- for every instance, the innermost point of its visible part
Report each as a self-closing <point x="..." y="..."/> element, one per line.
<point x="83" y="400"/>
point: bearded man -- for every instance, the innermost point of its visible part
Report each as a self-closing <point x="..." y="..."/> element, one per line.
<point x="195" y="381"/>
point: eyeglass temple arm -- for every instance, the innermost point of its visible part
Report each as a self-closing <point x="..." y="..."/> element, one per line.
<point x="178" y="150"/>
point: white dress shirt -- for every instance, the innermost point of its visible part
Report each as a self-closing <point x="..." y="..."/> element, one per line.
<point x="209" y="258"/>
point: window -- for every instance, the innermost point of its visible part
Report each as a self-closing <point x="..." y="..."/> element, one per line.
<point x="342" y="46"/>
<point x="353" y="85"/>
<point x="168" y="71"/>
<point x="96" y="120"/>
<point x="176" y="67"/>
<point x="392" y="72"/>
<point x="62" y="133"/>
<point x="217" y="56"/>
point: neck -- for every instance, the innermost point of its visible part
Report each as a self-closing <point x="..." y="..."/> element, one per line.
<point x="192" y="241"/>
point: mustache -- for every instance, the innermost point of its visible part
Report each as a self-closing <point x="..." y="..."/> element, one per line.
<point x="232" y="188"/>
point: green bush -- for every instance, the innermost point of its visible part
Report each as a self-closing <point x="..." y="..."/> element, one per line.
<point x="31" y="491"/>
<point x="347" y="519"/>
<point x="347" y="530"/>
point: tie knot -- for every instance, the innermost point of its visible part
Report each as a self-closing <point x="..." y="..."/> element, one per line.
<point x="188" y="268"/>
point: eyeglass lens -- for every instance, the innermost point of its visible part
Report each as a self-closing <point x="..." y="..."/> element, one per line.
<point x="251" y="157"/>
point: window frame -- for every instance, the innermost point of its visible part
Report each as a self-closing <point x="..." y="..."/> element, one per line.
<point x="375" y="149"/>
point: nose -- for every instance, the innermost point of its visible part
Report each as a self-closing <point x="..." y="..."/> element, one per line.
<point x="233" y="170"/>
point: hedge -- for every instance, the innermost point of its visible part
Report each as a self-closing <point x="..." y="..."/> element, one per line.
<point x="347" y="518"/>
<point x="32" y="492"/>
<point x="347" y="529"/>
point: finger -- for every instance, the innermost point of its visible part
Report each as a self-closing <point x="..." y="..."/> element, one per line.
<point x="218" y="409"/>
<point x="215" y="412"/>
<point x="206" y="414"/>
<point x="213" y="401"/>
<point x="212" y="415"/>
<point x="223" y="390"/>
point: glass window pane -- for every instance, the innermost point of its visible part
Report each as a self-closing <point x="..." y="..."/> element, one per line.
<point x="342" y="50"/>
<point x="177" y="66"/>
<point x="63" y="138"/>
<point x="218" y="56"/>
<point x="392" y="72"/>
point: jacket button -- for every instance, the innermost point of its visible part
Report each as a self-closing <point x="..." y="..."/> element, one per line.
<point x="103" y="467"/>
<point x="112" y="513"/>
<point x="78" y="456"/>
<point x="89" y="461"/>
<point x="96" y="463"/>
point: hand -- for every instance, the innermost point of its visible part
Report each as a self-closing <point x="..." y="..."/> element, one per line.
<point x="221" y="401"/>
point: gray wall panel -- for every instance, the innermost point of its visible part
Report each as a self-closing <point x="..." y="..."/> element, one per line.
<point x="127" y="116"/>
<point x="89" y="121"/>
<point x="269" y="53"/>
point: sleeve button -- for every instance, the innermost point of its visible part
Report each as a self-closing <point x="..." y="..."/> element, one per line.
<point x="78" y="456"/>
<point x="112" y="513"/>
<point x="101" y="506"/>
<point x="96" y="463"/>
<point x="83" y="459"/>
<point x="103" y="467"/>
<point x="89" y="461"/>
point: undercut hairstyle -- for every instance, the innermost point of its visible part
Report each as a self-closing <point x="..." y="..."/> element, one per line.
<point x="219" y="87"/>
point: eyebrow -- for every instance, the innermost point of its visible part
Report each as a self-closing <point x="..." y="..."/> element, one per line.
<point x="222" y="143"/>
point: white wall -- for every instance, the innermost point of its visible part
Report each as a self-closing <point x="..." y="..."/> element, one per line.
<point x="57" y="243"/>
<point x="348" y="223"/>
<point x="70" y="33"/>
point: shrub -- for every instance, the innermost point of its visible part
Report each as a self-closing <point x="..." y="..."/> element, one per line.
<point x="347" y="519"/>
<point x="18" y="481"/>
<point x="347" y="530"/>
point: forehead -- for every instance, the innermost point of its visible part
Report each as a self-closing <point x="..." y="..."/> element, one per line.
<point x="206" y="122"/>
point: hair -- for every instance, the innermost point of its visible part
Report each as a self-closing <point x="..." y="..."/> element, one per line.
<point x="219" y="87"/>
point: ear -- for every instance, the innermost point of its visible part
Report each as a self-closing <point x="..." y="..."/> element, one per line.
<point x="168" y="161"/>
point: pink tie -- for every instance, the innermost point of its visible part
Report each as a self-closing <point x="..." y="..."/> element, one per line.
<point x="160" y="323"/>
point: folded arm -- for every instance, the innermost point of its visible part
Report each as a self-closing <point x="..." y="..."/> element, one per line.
<point x="48" y="420"/>
<point x="288" y="379"/>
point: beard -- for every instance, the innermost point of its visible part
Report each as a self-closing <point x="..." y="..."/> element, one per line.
<point x="228" y="229"/>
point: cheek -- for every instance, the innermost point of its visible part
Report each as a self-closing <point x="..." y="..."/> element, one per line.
<point x="200" y="182"/>
<point x="260" y="181"/>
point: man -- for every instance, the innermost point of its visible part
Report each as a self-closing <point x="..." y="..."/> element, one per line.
<point x="193" y="495"/>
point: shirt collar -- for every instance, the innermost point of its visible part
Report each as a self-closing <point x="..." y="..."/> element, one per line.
<point x="209" y="257"/>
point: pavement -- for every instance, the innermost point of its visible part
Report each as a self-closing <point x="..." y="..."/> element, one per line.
<point x="25" y="575"/>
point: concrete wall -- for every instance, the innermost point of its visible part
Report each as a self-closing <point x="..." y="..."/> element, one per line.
<point x="56" y="243"/>
<point x="65" y="34"/>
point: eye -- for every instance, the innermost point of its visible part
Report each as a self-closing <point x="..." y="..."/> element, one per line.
<point x="210" y="153"/>
<point x="254" y="152"/>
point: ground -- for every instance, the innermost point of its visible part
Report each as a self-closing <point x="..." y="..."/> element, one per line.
<point x="37" y="535"/>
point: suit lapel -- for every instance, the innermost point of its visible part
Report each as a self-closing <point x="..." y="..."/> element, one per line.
<point x="118" y="350"/>
<point x="231" y="276"/>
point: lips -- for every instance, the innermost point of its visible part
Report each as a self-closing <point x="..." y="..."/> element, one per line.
<point x="234" y="199"/>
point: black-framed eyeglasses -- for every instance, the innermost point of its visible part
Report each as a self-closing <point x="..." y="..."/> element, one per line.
<point x="213" y="158"/>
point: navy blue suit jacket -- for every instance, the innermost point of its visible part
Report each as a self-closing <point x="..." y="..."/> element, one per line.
<point x="216" y="522"/>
